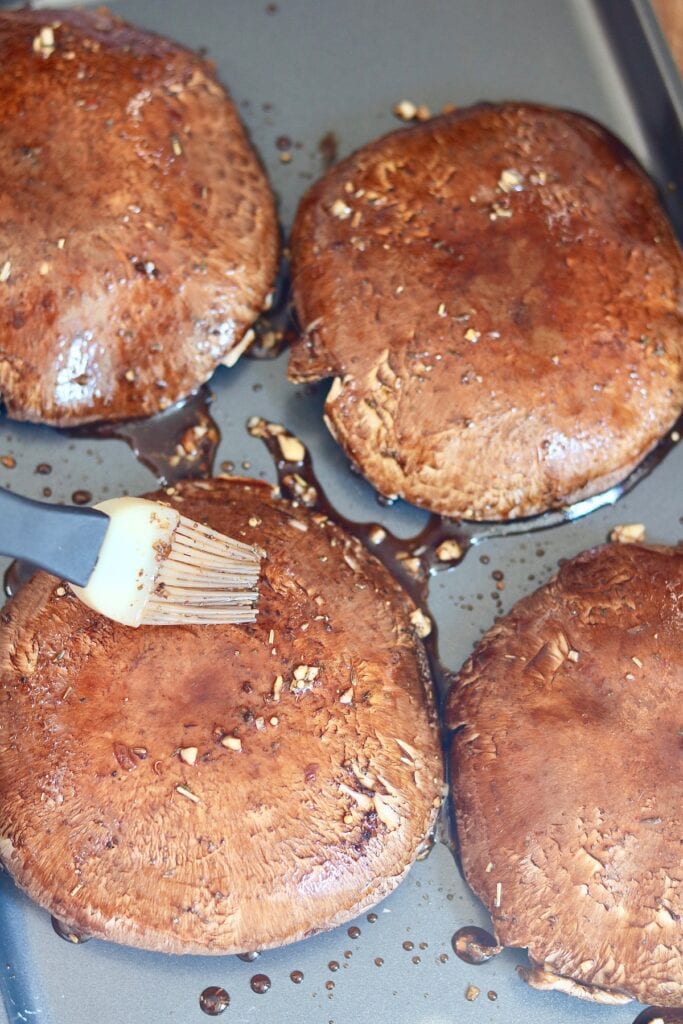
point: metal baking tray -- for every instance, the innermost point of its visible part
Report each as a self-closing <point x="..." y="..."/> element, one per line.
<point x="302" y="69"/>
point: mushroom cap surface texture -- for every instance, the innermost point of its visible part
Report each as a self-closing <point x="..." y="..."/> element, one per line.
<point x="138" y="236"/>
<point x="219" y="789"/>
<point x="497" y="293"/>
<point x="567" y="782"/>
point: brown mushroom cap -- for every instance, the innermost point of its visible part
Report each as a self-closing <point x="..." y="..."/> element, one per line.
<point x="567" y="781"/>
<point x="137" y="226"/>
<point x="497" y="294"/>
<point x="317" y="765"/>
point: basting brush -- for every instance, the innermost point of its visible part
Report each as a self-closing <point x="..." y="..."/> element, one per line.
<point x="136" y="561"/>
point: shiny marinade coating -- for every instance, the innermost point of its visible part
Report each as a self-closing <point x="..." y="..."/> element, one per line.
<point x="138" y="237"/>
<point x="220" y="788"/>
<point x="497" y="293"/>
<point x="567" y="780"/>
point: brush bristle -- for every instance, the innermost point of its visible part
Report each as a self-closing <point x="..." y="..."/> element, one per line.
<point x="204" y="578"/>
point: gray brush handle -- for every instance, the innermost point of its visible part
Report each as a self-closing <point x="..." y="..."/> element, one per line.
<point x="63" y="539"/>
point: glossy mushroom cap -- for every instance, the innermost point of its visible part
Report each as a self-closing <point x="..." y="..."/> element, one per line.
<point x="567" y="781"/>
<point x="497" y="295"/>
<point x="222" y="788"/>
<point x="138" y="237"/>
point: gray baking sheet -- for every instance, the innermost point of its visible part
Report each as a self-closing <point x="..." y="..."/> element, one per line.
<point x="302" y="68"/>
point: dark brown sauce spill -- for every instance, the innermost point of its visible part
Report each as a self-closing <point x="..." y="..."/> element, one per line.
<point x="353" y="932"/>
<point x="660" y="1015"/>
<point x="69" y="934"/>
<point x="408" y="945"/>
<point x="214" y="1000"/>
<point x="333" y="966"/>
<point x="260" y="983"/>
<point x="329" y="985"/>
<point x="177" y="444"/>
<point x="371" y="918"/>
<point x="297" y="977"/>
<point x="474" y="945"/>
<point x="249" y="957"/>
<point x="379" y="962"/>
<point x="81" y="497"/>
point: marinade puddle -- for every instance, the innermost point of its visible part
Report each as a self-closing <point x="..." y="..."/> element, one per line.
<point x="178" y="444"/>
<point x="175" y="445"/>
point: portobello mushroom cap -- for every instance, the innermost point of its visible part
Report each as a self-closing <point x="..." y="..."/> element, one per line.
<point x="138" y="236"/>
<point x="218" y="789"/>
<point x="567" y="783"/>
<point x="497" y="294"/>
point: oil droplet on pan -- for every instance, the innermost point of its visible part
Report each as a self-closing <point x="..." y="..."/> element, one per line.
<point x="69" y="934"/>
<point x="474" y="945"/>
<point x="260" y="983"/>
<point x="214" y="1000"/>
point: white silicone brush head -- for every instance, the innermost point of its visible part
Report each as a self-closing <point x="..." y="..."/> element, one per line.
<point x="156" y="567"/>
